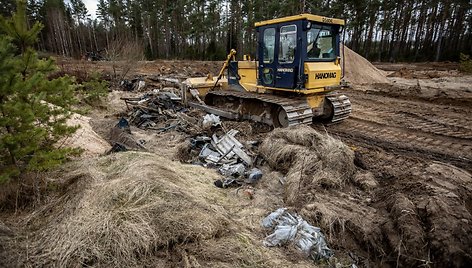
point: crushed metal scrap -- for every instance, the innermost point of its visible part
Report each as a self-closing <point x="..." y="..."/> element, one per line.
<point x="229" y="156"/>
<point x="162" y="110"/>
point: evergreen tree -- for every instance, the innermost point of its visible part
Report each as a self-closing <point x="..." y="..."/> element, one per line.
<point x="33" y="108"/>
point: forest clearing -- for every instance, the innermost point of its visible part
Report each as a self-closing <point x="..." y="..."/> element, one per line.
<point x="109" y="159"/>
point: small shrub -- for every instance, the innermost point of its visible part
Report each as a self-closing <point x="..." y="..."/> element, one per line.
<point x="33" y="108"/>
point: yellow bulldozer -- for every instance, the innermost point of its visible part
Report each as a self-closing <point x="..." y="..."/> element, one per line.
<point x="295" y="79"/>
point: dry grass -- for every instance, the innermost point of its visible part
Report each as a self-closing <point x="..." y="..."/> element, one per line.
<point x="319" y="173"/>
<point x="136" y="209"/>
<point x="309" y="159"/>
<point x="121" y="208"/>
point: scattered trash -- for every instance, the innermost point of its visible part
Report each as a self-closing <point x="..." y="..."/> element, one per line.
<point x="124" y="124"/>
<point x="247" y="191"/>
<point x="211" y="120"/>
<point x="157" y="110"/>
<point x="230" y="146"/>
<point x="282" y="180"/>
<point x="227" y="182"/>
<point x="122" y="139"/>
<point x="236" y="170"/>
<point x="162" y="110"/>
<point x="253" y="175"/>
<point x="199" y="141"/>
<point x="208" y="154"/>
<point x="292" y="228"/>
<point x="228" y="156"/>
<point x="135" y="84"/>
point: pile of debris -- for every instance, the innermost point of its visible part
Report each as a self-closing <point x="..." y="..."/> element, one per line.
<point x="135" y="84"/>
<point x="162" y="110"/>
<point x="228" y="155"/>
<point x="157" y="110"/>
<point x="144" y="82"/>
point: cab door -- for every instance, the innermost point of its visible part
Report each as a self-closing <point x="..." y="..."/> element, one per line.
<point x="287" y="57"/>
<point x="267" y="56"/>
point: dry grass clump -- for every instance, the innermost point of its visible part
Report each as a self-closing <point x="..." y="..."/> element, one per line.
<point x="319" y="173"/>
<point x="243" y="249"/>
<point x="309" y="159"/>
<point x="121" y="209"/>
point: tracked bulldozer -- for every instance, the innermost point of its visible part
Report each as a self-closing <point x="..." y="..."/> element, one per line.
<point x="295" y="79"/>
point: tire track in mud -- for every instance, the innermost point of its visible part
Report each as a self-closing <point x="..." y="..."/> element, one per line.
<point x="448" y="127"/>
<point x="430" y="118"/>
<point x="420" y="129"/>
<point x="453" y="150"/>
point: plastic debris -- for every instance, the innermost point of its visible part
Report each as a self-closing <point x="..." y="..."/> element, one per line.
<point x="254" y="175"/>
<point x="291" y="228"/>
<point x="123" y="124"/>
<point x="211" y="120"/>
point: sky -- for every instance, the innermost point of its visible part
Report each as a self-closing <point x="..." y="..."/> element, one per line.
<point x="91" y="7"/>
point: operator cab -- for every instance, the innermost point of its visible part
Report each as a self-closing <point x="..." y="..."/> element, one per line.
<point x="287" y="44"/>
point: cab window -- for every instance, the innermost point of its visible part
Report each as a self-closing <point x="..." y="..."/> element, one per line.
<point x="288" y="43"/>
<point x="321" y="43"/>
<point x="269" y="45"/>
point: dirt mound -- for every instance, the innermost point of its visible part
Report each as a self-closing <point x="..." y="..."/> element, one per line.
<point x="359" y="71"/>
<point x="413" y="74"/>
<point x="309" y="159"/>
<point x="410" y="221"/>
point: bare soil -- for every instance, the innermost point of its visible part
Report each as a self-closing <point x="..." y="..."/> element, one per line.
<point x="415" y="137"/>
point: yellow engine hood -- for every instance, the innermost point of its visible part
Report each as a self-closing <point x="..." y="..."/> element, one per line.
<point x="322" y="74"/>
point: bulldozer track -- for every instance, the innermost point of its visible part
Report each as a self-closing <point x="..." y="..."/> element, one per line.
<point x="297" y="109"/>
<point x="341" y="107"/>
<point x="428" y="122"/>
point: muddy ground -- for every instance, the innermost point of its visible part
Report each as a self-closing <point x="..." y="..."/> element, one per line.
<point x="415" y="136"/>
<point x="411" y="204"/>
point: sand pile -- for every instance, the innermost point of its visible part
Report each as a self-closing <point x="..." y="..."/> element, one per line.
<point x="122" y="208"/>
<point x="359" y="71"/>
<point x="85" y="137"/>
